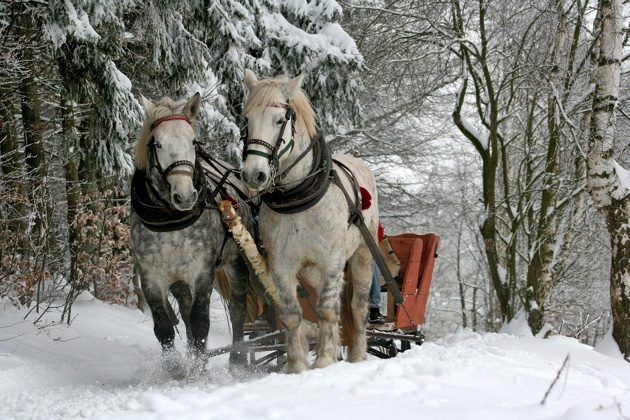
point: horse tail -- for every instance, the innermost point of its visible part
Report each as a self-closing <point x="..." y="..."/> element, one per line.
<point x="348" y="329"/>
<point x="222" y="284"/>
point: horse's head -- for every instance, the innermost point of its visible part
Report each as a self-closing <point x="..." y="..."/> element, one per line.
<point x="279" y="115"/>
<point x="166" y="150"/>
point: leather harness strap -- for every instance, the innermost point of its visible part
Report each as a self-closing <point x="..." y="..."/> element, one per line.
<point x="356" y="217"/>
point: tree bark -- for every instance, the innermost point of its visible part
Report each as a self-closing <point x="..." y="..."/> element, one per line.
<point x="608" y="192"/>
<point x="11" y="166"/>
<point x="33" y="137"/>
<point x="539" y="272"/>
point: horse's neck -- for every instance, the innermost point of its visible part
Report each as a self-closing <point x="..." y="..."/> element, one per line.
<point x="302" y="168"/>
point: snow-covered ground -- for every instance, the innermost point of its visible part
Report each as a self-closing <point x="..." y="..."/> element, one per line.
<point x="105" y="365"/>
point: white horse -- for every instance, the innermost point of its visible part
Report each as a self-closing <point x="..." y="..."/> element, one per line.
<point x="305" y="219"/>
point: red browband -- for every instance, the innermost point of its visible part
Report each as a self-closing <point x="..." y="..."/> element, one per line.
<point x="172" y="117"/>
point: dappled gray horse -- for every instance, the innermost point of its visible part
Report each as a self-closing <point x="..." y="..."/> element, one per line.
<point x="178" y="241"/>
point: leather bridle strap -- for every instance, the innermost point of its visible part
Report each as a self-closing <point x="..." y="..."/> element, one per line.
<point x="172" y="117"/>
<point x="164" y="172"/>
<point x="274" y="156"/>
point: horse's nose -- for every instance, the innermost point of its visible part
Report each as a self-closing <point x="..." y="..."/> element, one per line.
<point x="255" y="180"/>
<point x="261" y="177"/>
<point x="181" y="201"/>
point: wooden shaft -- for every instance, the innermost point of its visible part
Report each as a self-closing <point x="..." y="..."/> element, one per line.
<point x="245" y="241"/>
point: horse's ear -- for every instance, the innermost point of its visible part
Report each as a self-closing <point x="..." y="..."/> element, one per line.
<point x="147" y="105"/>
<point x="250" y="79"/>
<point x="191" y="109"/>
<point x="293" y="86"/>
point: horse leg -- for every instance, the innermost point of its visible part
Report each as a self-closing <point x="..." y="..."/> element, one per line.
<point x="238" y="273"/>
<point x="361" y="266"/>
<point x="291" y="317"/>
<point x="182" y="294"/>
<point x="328" y="314"/>
<point x="200" y="312"/>
<point x="163" y="329"/>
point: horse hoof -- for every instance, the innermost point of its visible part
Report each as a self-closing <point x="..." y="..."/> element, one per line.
<point x="323" y="362"/>
<point x="238" y="359"/>
<point x="297" y="367"/>
<point x="174" y="365"/>
<point x="196" y="365"/>
<point x="354" y="358"/>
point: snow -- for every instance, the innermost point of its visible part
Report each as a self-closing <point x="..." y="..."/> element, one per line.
<point x="517" y="327"/>
<point x="106" y="365"/>
<point x="623" y="177"/>
<point x="79" y="26"/>
<point x="608" y="346"/>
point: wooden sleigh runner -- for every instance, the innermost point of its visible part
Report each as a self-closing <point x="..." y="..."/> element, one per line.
<point x="265" y="338"/>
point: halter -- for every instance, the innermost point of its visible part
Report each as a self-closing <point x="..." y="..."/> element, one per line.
<point x="276" y="153"/>
<point x="164" y="172"/>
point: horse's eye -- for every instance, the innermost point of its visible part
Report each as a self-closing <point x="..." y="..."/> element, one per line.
<point x="280" y="122"/>
<point x="158" y="145"/>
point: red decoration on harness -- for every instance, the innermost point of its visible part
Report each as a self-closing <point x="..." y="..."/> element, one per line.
<point x="230" y="199"/>
<point x="380" y="233"/>
<point x="172" y="117"/>
<point x="366" y="199"/>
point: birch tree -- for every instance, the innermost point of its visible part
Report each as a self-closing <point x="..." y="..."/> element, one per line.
<point x="608" y="181"/>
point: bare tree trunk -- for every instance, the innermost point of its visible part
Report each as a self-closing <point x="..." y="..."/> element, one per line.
<point x="539" y="275"/>
<point x="488" y="150"/>
<point x="70" y="143"/>
<point x="33" y="137"/>
<point x="608" y="192"/>
<point x="460" y="280"/>
<point x="11" y="165"/>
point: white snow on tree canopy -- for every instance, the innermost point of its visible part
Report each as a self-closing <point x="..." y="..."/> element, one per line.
<point x="313" y="9"/>
<point x="327" y="42"/>
<point x="78" y="26"/>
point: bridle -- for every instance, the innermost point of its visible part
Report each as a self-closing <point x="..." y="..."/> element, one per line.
<point x="276" y="152"/>
<point x="153" y="148"/>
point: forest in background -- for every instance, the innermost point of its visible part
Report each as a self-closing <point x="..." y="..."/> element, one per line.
<point x="478" y="117"/>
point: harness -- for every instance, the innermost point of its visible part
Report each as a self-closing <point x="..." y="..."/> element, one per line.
<point x="276" y="153"/>
<point x="315" y="185"/>
<point x="312" y="189"/>
<point x="158" y="214"/>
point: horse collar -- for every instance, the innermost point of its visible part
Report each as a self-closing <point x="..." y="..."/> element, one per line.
<point x="311" y="190"/>
<point x="157" y="214"/>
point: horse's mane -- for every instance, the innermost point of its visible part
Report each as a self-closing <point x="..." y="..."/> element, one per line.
<point x="268" y="91"/>
<point x="163" y="107"/>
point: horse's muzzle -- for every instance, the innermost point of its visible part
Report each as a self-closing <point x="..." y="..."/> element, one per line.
<point x="255" y="180"/>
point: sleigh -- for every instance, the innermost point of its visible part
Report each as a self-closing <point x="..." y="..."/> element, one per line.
<point x="416" y="255"/>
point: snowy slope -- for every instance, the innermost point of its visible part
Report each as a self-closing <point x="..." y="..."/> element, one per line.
<point x="105" y="366"/>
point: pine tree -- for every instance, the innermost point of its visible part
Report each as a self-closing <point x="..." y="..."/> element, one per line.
<point x="289" y="38"/>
